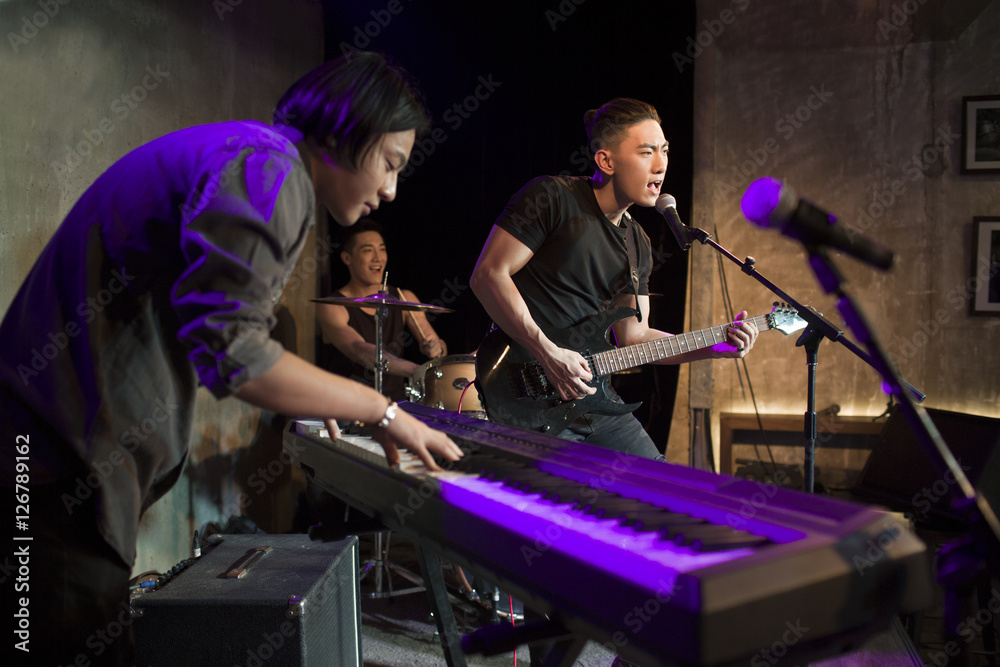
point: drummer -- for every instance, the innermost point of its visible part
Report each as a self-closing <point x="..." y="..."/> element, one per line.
<point x="349" y="333"/>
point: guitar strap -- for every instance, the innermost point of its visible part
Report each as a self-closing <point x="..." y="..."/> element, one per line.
<point x="631" y="241"/>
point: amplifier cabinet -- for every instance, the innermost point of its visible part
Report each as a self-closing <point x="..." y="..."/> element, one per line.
<point x="296" y="604"/>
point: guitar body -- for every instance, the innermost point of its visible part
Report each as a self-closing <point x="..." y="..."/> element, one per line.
<point x="515" y="392"/>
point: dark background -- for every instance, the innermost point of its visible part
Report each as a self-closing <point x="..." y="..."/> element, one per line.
<point x="549" y="62"/>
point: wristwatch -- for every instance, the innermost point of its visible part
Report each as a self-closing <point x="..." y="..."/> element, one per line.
<point x="390" y="414"/>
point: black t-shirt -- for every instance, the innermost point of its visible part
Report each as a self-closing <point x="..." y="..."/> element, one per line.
<point x="394" y="339"/>
<point x="580" y="261"/>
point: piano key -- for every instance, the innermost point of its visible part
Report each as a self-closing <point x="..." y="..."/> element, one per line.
<point x="655" y="520"/>
<point x="738" y="539"/>
<point x="630" y="554"/>
<point x="613" y="505"/>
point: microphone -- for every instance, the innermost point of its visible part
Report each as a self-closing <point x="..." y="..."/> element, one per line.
<point x="667" y="206"/>
<point x="770" y="203"/>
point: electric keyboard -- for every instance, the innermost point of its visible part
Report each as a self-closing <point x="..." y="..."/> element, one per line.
<point x="661" y="563"/>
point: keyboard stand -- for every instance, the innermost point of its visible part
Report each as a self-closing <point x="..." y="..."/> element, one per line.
<point x="382" y="565"/>
<point x="444" y="615"/>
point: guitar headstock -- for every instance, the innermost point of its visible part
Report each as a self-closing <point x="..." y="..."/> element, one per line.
<point x="785" y="319"/>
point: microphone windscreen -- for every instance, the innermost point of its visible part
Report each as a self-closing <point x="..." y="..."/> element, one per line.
<point x="762" y="199"/>
<point x="665" y="201"/>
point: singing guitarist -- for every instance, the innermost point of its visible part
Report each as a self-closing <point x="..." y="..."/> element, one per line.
<point x="558" y="254"/>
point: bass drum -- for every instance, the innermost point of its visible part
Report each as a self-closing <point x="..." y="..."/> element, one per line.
<point x="439" y="383"/>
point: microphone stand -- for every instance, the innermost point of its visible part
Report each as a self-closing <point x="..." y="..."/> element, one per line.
<point x="818" y="328"/>
<point x="961" y="561"/>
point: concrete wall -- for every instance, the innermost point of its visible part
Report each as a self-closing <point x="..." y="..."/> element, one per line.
<point x="858" y="107"/>
<point x="83" y="83"/>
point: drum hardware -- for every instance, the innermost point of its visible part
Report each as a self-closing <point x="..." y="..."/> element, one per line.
<point x="382" y="302"/>
<point x="381" y="299"/>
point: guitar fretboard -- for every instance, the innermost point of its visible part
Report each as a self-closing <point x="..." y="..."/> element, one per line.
<point x="624" y="358"/>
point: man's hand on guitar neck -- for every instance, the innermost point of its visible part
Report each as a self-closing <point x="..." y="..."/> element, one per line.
<point x="742" y="336"/>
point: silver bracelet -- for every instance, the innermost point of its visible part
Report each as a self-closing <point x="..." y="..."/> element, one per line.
<point x="390" y="414"/>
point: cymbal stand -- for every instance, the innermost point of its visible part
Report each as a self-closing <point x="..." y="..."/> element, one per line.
<point x="381" y="563"/>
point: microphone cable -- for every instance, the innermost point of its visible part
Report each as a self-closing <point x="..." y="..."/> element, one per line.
<point x="727" y="305"/>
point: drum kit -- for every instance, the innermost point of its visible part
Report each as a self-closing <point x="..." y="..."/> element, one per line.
<point x="443" y="382"/>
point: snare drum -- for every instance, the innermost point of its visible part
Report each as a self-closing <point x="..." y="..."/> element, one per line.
<point x="439" y="384"/>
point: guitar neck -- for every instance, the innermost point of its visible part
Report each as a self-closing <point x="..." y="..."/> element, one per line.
<point x="632" y="356"/>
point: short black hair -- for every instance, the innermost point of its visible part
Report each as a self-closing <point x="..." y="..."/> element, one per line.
<point x="346" y="104"/>
<point x="349" y="235"/>
<point x="606" y="126"/>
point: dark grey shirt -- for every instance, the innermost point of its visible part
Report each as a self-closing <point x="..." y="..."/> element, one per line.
<point x="164" y="275"/>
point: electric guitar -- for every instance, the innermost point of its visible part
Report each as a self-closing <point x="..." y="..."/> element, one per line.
<point x="514" y="390"/>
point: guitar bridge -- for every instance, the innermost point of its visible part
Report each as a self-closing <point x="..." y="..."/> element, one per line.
<point x="533" y="382"/>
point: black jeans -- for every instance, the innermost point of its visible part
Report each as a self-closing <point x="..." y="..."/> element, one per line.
<point x="621" y="433"/>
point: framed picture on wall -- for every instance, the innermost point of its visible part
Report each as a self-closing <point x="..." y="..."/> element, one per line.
<point x="986" y="266"/>
<point x="981" y="134"/>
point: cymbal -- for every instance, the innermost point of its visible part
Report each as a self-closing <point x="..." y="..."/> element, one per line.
<point x="381" y="300"/>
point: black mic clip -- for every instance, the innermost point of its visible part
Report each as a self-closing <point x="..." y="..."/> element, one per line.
<point x="667" y="206"/>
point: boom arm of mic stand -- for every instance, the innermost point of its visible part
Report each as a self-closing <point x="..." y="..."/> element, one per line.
<point x="963" y="559"/>
<point x="816" y="321"/>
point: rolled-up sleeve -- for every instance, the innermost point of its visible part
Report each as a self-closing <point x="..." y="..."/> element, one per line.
<point x="243" y="230"/>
